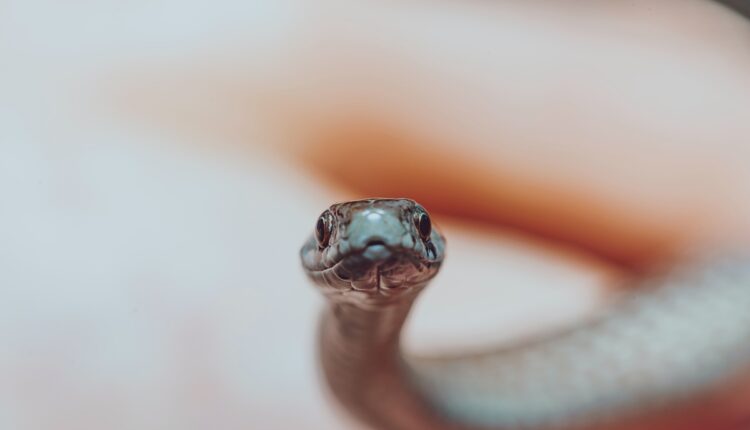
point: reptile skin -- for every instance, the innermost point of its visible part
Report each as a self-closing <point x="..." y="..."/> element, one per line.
<point x="673" y="354"/>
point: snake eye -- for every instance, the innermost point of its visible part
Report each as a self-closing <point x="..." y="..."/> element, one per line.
<point x="423" y="224"/>
<point x="323" y="229"/>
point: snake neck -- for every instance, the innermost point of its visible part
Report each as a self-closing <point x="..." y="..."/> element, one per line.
<point x="659" y="360"/>
<point x="358" y="338"/>
<point x="360" y="355"/>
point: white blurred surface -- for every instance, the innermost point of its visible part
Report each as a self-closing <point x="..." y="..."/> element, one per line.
<point x="140" y="286"/>
<point x="138" y="274"/>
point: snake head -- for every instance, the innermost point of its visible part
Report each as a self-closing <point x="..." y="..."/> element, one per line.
<point x="373" y="248"/>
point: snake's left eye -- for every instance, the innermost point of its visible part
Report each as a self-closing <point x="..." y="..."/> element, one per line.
<point x="323" y="228"/>
<point x="423" y="224"/>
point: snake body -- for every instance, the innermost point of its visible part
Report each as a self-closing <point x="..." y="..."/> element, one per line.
<point x="669" y="355"/>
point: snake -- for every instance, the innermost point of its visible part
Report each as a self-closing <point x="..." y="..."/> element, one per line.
<point x="672" y="353"/>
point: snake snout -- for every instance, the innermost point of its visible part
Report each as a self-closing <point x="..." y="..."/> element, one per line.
<point x="376" y="250"/>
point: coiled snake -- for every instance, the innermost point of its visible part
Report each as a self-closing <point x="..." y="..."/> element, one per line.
<point x="672" y="355"/>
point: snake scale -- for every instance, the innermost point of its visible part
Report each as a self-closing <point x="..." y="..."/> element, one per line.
<point x="671" y="355"/>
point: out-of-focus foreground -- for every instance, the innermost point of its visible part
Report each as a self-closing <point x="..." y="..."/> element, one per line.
<point x="161" y="163"/>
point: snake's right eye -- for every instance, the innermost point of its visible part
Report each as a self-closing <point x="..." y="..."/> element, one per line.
<point x="423" y="224"/>
<point x="323" y="229"/>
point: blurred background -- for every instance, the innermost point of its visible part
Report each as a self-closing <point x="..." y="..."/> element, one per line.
<point x="162" y="162"/>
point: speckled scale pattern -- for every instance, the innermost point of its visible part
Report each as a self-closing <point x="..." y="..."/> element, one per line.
<point x="676" y="336"/>
<point x="680" y="334"/>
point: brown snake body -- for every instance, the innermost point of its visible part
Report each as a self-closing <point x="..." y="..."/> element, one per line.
<point x="674" y="354"/>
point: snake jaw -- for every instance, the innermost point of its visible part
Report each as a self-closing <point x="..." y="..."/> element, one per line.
<point x="370" y="282"/>
<point x="378" y="276"/>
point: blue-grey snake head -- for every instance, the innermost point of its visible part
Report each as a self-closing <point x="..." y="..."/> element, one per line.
<point x="377" y="247"/>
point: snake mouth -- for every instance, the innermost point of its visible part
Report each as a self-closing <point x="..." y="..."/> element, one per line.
<point x="380" y="266"/>
<point x="364" y="269"/>
<point x="375" y="268"/>
<point x="378" y="254"/>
